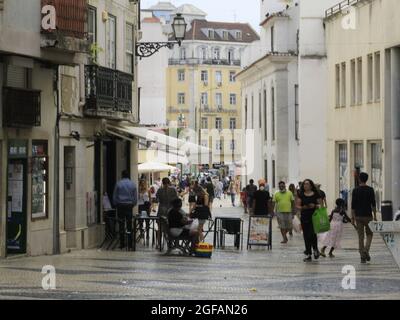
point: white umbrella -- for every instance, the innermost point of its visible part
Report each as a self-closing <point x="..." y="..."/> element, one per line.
<point x="150" y="167"/>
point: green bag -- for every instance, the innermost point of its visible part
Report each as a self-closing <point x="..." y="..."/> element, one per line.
<point x="320" y="221"/>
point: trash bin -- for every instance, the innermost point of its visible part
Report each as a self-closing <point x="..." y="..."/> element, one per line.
<point x="387" y="210"/>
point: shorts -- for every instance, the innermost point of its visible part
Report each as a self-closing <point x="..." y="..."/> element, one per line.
<point x="285" y="220"/>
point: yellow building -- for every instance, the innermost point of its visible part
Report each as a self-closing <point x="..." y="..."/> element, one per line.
<point x="202" y="91"/>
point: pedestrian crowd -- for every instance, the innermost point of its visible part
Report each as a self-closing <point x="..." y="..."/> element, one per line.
<point x="294" y="207"/>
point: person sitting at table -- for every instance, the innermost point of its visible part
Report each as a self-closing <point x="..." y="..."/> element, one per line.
<point x="179" y="224"/>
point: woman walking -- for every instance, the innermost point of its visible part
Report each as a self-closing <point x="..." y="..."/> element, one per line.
<point x="308" y="201"/>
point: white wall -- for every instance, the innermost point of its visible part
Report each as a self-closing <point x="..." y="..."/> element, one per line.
<point x="152" y="78"/>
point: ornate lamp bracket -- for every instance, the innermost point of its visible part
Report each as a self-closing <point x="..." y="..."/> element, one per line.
<point x="147" y="49"/>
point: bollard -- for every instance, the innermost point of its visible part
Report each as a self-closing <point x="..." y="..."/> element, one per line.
<point x="387" y="210"/>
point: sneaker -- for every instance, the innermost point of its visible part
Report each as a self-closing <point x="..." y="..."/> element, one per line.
<point x="363" y="260"/>
<point x="308" y="259"/>
<point x="316" y="255"/>
<point x="368" y="257"/>
<point x="323" y="254"/>
<point x="331" y="255"/>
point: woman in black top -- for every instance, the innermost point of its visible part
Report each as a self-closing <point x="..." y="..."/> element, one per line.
<point x="308" y="201"/>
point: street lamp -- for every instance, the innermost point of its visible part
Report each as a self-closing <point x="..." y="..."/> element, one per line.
<point x="147" y="49"/>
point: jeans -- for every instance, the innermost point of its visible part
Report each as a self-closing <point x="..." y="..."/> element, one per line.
<point x="362" y="226"/>
<point x="233" y="197"/>
<point x="125" y="214"/>
<point x="310" y="238"/>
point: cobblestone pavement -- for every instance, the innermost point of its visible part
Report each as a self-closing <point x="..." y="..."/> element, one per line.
<point x="230" y="274"/>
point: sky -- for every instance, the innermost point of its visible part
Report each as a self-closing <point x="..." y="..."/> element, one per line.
<point x="223" y="10"/>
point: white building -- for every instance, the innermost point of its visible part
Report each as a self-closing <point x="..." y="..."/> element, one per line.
<point x="270" y="99"/>
<point x="364" y="95"/>
<point x="152" y="72"/>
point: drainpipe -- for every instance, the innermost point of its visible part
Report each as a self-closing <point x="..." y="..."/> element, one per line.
<point x="56" y="206"/>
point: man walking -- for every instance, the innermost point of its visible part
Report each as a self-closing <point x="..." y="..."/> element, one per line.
<point x="363" y="204"/>
<point x="261" y="201"/>
<point x="125" y="199"/>
<point x="250" y="190"/>
<point x="283" y="204"/>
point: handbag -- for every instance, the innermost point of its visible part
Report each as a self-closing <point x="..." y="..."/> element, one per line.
<point x="297" y="224"/>
<point x="320" y="221"/>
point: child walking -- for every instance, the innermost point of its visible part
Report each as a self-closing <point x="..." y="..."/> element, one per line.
<point x="337" y="218"/>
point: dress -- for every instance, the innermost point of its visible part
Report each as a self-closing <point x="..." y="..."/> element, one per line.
<point x="332" y="238"/>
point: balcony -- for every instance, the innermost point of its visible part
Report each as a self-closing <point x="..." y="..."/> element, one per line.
<point x="338" y="8"/>
<point x="195" y="61"/>
<point x="69" y="35"/>
<point x="173" y="110"/>
<point x="108" y="93"/>
<point x="218" y="110"/>
<point x="21" y="108"/>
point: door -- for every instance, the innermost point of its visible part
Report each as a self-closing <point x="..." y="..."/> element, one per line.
<point x="16" y="206"/>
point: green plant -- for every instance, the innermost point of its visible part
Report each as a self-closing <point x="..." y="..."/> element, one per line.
<point x="95" y="49"/>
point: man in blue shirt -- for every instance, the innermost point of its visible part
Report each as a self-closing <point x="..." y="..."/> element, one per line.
<point x="125" y="199"/>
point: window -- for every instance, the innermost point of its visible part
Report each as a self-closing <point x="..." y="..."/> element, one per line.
<point x="260" y="110"/>
<point x="232" y="99"/>
<point x="218" y="77"/>
<point x="181" y="98"/>
<point x="231" y="55"/>
<point x="129" y="48"/>
<point x="296" y="112"/>
<point x="359" y="81"/>
<point x="181" y="75"/>
<point x="343" y="171"/>
<point x="265" y="116"/>
<point x="353" y="82"/>
<point x="18" y="77"/>
<point x="204" y="76"/>
<point x="370" y="92"/>
<point x="112" y="42"/>
<point x="358" y="156"/>
<point x="211" y="34"/>
<point x="337" y="86"/>
<point x="182" y="54"/>
<point x="217" y="54"/>
<point x="377" y="76"/>
<point x="203" y="53"/>
<point x="376" y="170"/>
<point x="92" y="31"/>
<point x="232" y="75"/>
<point x="252" y="111"/>
<point x="204" y="123"/>
<point x="218" y="99"/>
<point x="218" y="123"/>
<point x="204" y="99"/>
<point x="273" y="112"/>
<point x="232" y="124"/>
<point x="273" y="174"/>
<point x="225" y="35"/>
<point x="272" y="39"/>
<point x="238" y="35"/>
<point x="246" y="113"/>
<point x="40" y="179"/>
<point x="266" y="170"/>
<point x="343" y="84"/>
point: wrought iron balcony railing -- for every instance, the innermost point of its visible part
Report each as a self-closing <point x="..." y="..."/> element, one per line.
<point x="21" y="107"/>
<point x="108" y="92"/>
<point x="196" y="61"/>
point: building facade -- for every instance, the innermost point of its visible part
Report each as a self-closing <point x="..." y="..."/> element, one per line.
<point x="270" y="106"/>
<point x="363" y="114"/>
<point x="67" y="70"/>
<point x="202" y="91"/>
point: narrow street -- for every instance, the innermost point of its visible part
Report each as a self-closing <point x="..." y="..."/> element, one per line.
<point x="230" y="274"/>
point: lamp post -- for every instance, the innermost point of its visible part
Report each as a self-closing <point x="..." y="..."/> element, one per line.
<point x="147" y="49"/>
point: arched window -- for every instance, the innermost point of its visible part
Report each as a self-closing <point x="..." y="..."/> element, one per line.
<point x="231" y="55"/>
<point x="182" y="54"/>
<point x="217" y="53"/>
<point x="203" y="53"/>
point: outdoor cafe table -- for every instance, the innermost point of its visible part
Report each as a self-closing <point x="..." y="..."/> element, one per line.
<point x="145" y="225"/>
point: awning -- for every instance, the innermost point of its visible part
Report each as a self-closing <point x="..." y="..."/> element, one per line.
<point x="150" y="167"/>
<point x="184" y="147"/>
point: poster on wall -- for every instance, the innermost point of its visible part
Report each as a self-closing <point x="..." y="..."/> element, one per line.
<point x="39" y="169"/>
<point x="16" y="187"/>
<point x="259" y="231"/>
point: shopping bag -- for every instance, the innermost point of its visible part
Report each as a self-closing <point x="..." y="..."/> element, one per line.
<point x="297" y="224"/>
<point x="320" y="221"/>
